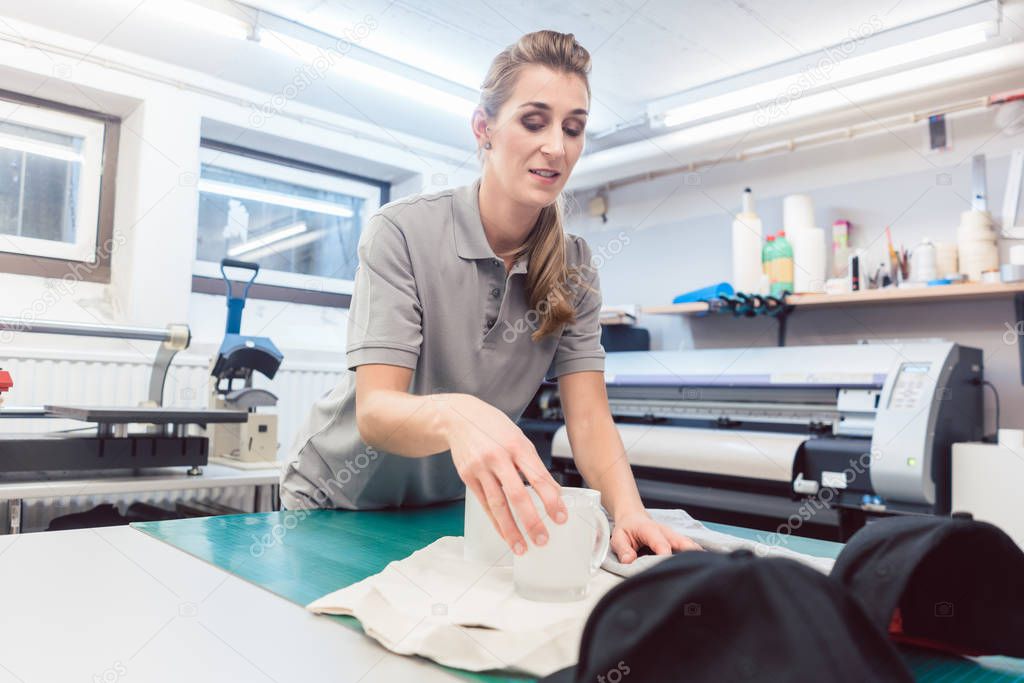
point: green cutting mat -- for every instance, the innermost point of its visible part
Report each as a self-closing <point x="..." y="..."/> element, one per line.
<point x="302" y="556"/>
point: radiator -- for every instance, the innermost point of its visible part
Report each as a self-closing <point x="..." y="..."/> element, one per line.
<point x="36" y="513"/>
<point x="56" y="376"/>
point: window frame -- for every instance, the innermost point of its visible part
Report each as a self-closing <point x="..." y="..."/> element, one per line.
<point x="89" y="258"/>
<point x="278" y="285"/>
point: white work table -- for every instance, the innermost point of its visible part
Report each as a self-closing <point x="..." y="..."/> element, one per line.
<point x="17" y="487"/>
<point x="116" y="605"/>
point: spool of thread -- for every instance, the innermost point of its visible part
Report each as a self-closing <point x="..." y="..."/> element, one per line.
<point x="923" y="267"/>
<point x="797" y="213"/>
<point x="946" y="262"/>
<point x="976" y="241"/>
<point x="809" y="257"/>
<point x="1017" y="255"/>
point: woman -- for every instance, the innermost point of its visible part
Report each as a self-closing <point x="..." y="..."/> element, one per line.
<point x="463" y="301"/>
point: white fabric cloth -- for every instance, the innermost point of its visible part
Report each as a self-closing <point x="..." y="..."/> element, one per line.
<point x="465" y="614"/>
<point x="713" y="541"/>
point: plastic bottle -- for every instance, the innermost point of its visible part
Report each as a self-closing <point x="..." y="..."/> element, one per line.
<point x="769" y="261"/>
<point x="746" y="247"/>
<point x="783" y="282"/>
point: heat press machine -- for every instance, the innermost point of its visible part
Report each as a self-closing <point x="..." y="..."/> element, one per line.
<point x="252" y="442"/>
<point x="148" y="436"/>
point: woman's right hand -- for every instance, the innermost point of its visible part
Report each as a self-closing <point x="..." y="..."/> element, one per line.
<point x="492" y="455"/>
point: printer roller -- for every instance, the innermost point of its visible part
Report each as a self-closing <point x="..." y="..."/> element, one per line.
<point x="733" y="452"/>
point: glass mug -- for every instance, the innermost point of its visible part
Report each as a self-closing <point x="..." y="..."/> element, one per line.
<point x="561" y="569"/>
<point x="482" y="542"/>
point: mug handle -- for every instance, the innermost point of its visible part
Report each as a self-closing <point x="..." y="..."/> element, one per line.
<point x="603" y="539"/>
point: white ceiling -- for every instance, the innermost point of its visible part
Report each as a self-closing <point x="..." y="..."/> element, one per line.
<point x="641" y="50"/>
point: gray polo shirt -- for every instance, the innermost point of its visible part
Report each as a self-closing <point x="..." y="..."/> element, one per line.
<point x="431" y="295"/>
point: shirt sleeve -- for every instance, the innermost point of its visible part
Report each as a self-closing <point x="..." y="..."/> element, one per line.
<point x="385" y="314"/>
<point x="579" y="347"/>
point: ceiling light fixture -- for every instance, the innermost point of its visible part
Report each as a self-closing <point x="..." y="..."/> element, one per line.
<point x="871" y="55"/>
<point x="343" y="64"/>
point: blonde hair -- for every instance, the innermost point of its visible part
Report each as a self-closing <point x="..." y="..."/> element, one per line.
<point x="548" y="278"/>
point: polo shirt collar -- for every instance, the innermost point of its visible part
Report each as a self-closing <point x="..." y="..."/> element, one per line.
<point x="470" y="239"/>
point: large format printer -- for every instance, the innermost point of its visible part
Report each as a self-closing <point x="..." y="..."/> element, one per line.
<point x="831" y="433"/>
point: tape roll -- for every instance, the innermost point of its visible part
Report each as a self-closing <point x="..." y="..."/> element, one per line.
<point x="797" y="213"/>
<point x="809" y="253"/>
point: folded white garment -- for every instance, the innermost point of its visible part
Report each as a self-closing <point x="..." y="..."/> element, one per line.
<point x="465" y="614"/>
<point x="714" y="541"/>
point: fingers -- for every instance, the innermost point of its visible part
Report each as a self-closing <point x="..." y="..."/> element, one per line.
<point x="547" y="488"/>
<point x="662" y="540"/>
<point x="497" y="506"/>
<point x="652" y="536"/>
<point x="519" y="499"/>
<point x="622" y="546"/>
<point x="478" y="491"/>
<point x="680" y="542"/>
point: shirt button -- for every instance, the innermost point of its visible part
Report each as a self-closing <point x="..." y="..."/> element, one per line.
<point x="495" y="292"/>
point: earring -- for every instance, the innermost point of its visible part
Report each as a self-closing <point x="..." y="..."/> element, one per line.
<point x="487" y="145"/>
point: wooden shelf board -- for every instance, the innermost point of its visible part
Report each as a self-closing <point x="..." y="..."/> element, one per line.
<point x="978" y="290"/>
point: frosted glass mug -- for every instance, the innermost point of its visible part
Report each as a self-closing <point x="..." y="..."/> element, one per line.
<point x="482" y="542"/>
<point x="560" y="570"/>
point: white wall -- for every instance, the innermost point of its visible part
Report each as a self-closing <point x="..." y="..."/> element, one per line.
<point x="164" y="112"/>
<point x="680" y="239"/>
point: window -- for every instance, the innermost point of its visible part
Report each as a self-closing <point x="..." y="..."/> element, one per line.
<point x="300" y="223"/>
<point x="51" y="168"/>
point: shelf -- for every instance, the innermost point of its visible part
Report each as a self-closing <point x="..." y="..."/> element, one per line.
<point x="619" y="315"/>
<point x="893" y="295"/>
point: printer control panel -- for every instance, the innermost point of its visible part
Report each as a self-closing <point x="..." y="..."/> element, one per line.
<point x="911" y="383"/>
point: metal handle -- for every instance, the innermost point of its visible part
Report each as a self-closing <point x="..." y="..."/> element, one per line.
<point x="174" y="338"/>
<point x="237" y="303"/>
<point x="86" y="329"/>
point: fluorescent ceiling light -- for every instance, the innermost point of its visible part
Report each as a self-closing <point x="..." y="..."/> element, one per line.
<point x="200" y="17"/>
<point x="891" y="85"/>
<point x="346" y="66"/>
<point x="823" y="71"/>
<point x="293" y="242"/>
<point x="277" y="198"/>
<point x="43" y="149"/>
<point x="269" y="238"/>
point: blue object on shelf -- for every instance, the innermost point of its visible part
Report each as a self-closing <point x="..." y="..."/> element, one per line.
<point x="939" y="282"/>
<point x="705" y="293"/>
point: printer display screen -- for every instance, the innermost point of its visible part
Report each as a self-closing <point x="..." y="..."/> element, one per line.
<point x="910" y="384"/>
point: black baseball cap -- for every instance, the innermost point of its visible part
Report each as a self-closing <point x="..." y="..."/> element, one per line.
<point x="713" y="617"/>
<point x="950" y="584"/>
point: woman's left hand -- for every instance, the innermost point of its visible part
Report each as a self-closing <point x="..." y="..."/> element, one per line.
<point x="636" y="529"/>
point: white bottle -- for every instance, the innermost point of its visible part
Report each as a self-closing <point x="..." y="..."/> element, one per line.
<point x="746" y="247"/>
